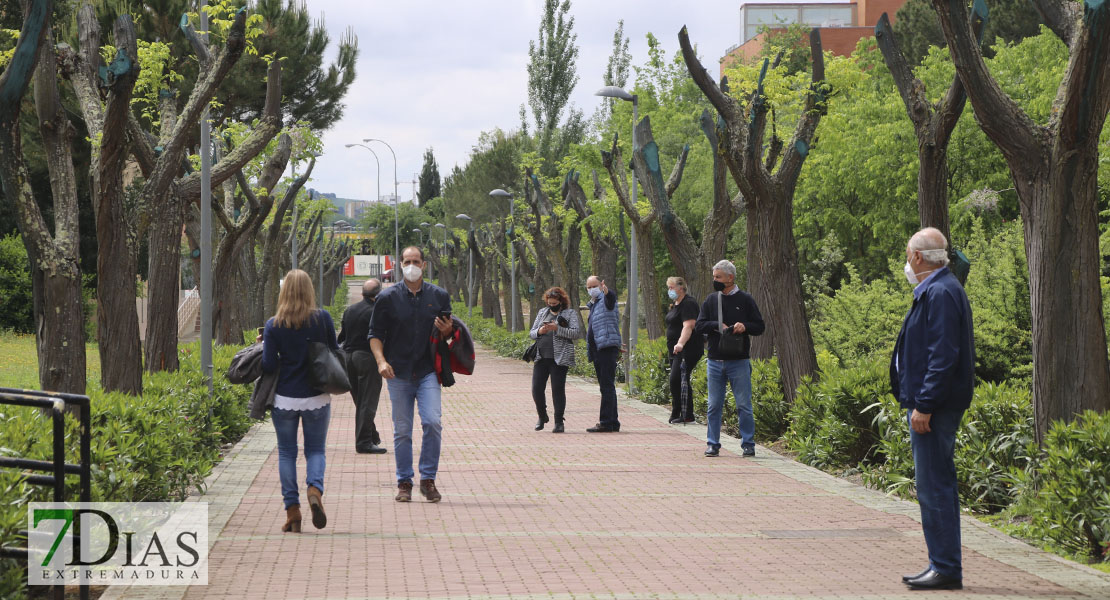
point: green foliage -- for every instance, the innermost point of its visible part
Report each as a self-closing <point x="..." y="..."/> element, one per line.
<point x="650" y="377"/>
<point x="15" y="286"/>
<point x="916" y="26"/>
<point x="429" y="179"/>
<point x="339" y="302"/>
<point x="998" y="289"/>
<point x="154" y="447"/>
<point x="1068" y="501"/>
<point x="832" y="419"/>
<point x="861" y="320"/>
<point x="992" y="445"/>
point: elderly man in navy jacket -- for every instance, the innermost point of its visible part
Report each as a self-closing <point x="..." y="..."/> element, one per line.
<point x="932" y="376"/>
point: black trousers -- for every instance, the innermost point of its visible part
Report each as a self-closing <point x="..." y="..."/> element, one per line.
<point x="682" y="396"/>
<point x="366" y="388"/>
<point x="545" y="368"/>
<point x="605" y="366"/>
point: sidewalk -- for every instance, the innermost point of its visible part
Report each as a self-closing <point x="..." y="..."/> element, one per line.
<point x="531" y="514"/>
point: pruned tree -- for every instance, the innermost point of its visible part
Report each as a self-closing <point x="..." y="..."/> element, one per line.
<point x="603" y="251"/>
<point x="1054" y="168"/>
<point x="231" y="313"/>
<point x="932" y="124"/>
<point x="770" y="200"/>
<point x="269" y="271"/>
<point x="56" y="278"/>
<point x="168" y="194"/>
<point x="614" y="163"/>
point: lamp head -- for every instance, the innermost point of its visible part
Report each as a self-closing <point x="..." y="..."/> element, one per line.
<point x="500" y="193"/>
<point x="350" y="145"/>
<point x="464" y="217"/>
<point x="612" y="91"/>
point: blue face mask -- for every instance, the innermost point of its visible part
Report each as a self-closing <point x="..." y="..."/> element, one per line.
<point x="673" y="295"/>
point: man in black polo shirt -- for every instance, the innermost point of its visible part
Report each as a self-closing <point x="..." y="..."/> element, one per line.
<point x="366" y="382"/>
<point x="405" y="318"/>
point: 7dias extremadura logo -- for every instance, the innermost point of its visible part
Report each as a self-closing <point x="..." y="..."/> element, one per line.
<point x="117" y="543"/>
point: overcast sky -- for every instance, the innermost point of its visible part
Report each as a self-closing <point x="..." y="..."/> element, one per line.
<point x="436" y="73"/>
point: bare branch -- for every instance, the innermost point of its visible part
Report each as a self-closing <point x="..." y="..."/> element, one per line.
<point x="724" y="103"/>
<point x="815" y="108"/>
<point x="200" y="47"/>
<point x="676" y="173"/>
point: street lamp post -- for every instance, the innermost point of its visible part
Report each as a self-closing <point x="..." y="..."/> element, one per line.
<point x="500" y="193"/>
<point x="612" y="91"/>
<point x="378" y="178"/>
<point x="396" y="230"/>
<point x="470" y="268"/>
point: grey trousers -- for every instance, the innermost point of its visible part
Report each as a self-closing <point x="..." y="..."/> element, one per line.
<point x="366" y="388"/>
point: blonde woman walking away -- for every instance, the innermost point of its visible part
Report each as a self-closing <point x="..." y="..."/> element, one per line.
<point x="285" y="342"/>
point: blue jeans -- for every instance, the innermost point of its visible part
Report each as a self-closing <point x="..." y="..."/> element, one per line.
<point x="739" y="374"/>
<point x="935" y="469"/>
<point x="315" y="424"/>
<point x="425" y="395"/>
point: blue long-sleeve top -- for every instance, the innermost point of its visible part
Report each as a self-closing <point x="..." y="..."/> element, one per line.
<point x="286" y="349"/>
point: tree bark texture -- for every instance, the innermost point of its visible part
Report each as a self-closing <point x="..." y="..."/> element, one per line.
<point x="603" y="252"/>
<point x="645" y="255"/>
<point x="770" y="199"/>
<point x="1054" y="168"/>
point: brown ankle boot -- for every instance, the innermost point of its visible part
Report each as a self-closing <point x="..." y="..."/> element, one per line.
<point x="292" y="519"/>
<point x="319" y="519"/>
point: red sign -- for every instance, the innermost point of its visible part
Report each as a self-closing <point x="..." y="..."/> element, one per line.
<point x="349" y="268"/>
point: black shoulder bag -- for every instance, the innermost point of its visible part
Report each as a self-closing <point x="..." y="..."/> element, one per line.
<point x="730" y="344"/>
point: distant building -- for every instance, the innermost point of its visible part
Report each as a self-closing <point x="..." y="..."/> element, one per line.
<point x="842" y="23"/>
<point x="355" y="208"/>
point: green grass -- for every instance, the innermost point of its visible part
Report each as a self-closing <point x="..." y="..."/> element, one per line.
<point x="19" y="365"/>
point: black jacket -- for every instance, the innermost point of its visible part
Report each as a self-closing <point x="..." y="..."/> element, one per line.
<point x="739" y="306"/>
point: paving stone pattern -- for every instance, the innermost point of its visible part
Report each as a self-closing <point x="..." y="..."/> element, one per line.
<point x="636" y="514"/>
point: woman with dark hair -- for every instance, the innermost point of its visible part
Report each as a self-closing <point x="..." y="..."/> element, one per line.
<point x="285" y="341"/>
<point x="684" y="348"/>
<point x="555" y="330"/>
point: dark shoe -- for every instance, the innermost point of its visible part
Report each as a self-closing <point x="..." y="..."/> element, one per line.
<point x="539" y="424"/>
<point x="319" y="519"/>
<point x="712" y="451"/>
<point x="404" y="492"/>
<point x="932" y="580"/>
<point x="429" y="491"/>
<point x="558" y="428"/>
<point x="292" y="519"/>
<point x="372" y="449"/>
<point x="674" y="420"/>
<point x="599" y="428"/>
<point x="906" y="578"/>
<point x="689" y="420"/>
<point x="749" y="451"/>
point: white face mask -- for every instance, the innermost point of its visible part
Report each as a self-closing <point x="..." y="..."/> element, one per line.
<point x="412" y="273"/>
<point x="595" y="292"/>
<point x="910" y="275"/>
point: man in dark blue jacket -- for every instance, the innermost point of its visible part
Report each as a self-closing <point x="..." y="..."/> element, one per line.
<point x="932" y="374"/>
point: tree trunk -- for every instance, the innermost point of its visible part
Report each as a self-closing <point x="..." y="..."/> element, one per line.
<point x="164" y="285"/>
<point x="763" y="346"/>
<point x="773" y="237"/>
<point x="932" y="187"/>
<point x="1070" y="370"/>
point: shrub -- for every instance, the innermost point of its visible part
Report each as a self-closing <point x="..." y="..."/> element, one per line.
<point x="651" y="377"/>
<point x="832" y="420"/>
<point x="154" y="447"/>
<point x="1067" y="496"/>
<point x="991" y="445"/>
<point x="15" y="286"/>
<point x="862" y="319"/>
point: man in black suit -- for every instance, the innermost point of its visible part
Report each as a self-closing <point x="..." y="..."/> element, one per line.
<point x="932" y="374"/>
<point x="362" y="370"/>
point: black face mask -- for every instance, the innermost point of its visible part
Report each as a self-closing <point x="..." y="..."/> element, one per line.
<point x="718" y="286"/>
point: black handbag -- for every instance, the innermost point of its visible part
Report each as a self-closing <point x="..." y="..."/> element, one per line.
<point x="730" y="344"/>
<point x="530" y="354"/>
<point x="325" y="369"/>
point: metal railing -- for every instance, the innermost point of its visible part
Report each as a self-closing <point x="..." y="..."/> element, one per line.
<point x="57" y="404"/>
<point x="187" y="313"/>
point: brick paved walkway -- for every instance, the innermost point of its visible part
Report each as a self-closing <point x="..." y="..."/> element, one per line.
<point x="638" y="514"/>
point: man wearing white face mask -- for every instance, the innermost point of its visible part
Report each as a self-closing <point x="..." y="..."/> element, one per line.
<point x="932" y="374"/>
<point x="405" y="317"/>
<point x="603" y="348"/>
